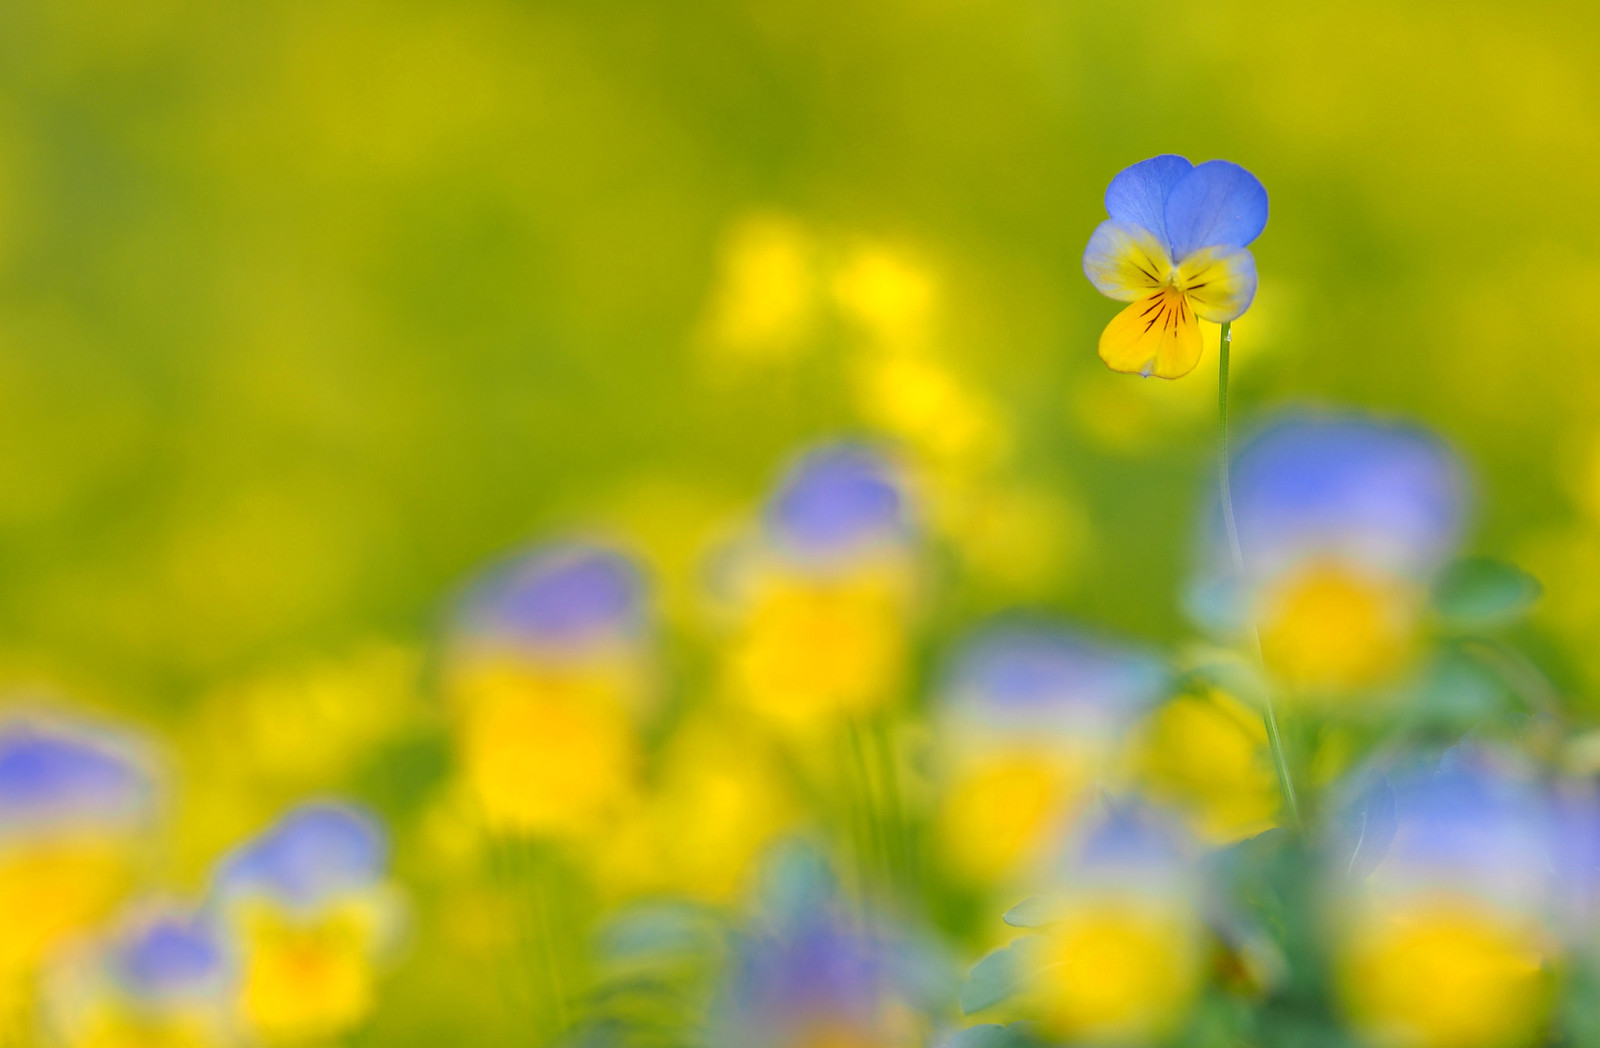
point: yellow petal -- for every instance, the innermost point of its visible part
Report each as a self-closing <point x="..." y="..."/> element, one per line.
<point x="1157" y="335"/>
<point x="1125" y="261"/>
<point x="1219" y="281"/>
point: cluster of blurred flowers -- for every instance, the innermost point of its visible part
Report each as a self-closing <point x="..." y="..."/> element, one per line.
<point x="816" y="848"/>
<point x="283" y="944"/>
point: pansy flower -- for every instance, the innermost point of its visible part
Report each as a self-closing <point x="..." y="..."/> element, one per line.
<point x="1344" y="521"/>
<point x="807" y="973"/>
<point x="77" y="804"/>
<point x="821" y="595"/>
<point x="163" y="975"/>
<point x="314" y="913"/>
<point x="1031" y="715"/>
<point x="1119" y="954"/>
<point x="1446" y="943"/>
<point x="315" y="855"/>
<point x="1175" y="248"/>
<point x="838" y="503"/>
<point x="562" y="601"/>
<point x="549" y="670"/>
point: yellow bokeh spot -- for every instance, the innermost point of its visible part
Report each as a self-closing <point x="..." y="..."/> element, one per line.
<point x="305" y="980"/>
<point x="1206" y="756"/>
<point x="814" y="650"/>
<point x="311" y="725"/>
<point x="51" y="890"/>
<point x="720" y="799"/>
<point x="888" y="294"/>
<point x="925" y="404"/>
<point x="550" y="754"/>
<point x="765" y="299"/>
<point x="1332" y="628"/>
<point x="1118" y="971"/>
<point x="117" y="1028"/>
<point x="1444" y="974"/>
<point x="1003" y="810"/>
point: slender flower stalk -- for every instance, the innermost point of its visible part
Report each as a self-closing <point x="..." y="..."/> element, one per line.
<point x="1274" y="735"/>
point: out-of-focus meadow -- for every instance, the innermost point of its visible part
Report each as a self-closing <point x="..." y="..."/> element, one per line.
<point x="420" y="616"/>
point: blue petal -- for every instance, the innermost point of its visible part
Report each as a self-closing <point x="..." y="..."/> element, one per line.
<point x="170" y="955"/>
<point x="1473" y="822"/>
<point x="52" y="773"/>
<point x="1389" y="496"/>
<point x="1138" y="195"/>
<point x="1134" y="838"/>
<point x="837" y="501"/>
<point x="314" y="853"/>
<point x="1216" y="203"/>
<point x="1026" y="675"/>
<point x="561" y="596"/>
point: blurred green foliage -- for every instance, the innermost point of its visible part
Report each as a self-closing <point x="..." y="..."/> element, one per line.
<point x="308" y="309"/>
<point x="305" y="309"/>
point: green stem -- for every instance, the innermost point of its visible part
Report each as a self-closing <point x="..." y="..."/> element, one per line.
<point x="1274" y="735"/>
<point x="880" y="855"/>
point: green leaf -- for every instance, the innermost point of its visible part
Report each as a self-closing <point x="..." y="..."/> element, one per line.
<point x="988" y="1035"/>
<point x="997" y="977"/>
<point x="1481" y="591"/>
<point x="1456" y="693"/>
<point x="1033" y="912"/>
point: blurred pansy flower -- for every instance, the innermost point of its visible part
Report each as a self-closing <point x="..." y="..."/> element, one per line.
<point x="808" y="975"/>
<point x="1030" y="716"/>
<point x="1174" y="247"/>
<point x="314" y="915"/>
<point x="1119" y="955"/>
<point x="839" y="504"/>
<point x="1205" y="756"/>
<point x="1444" y="944"/>
<point x="1344" y="520"/>
<point x="77" y="801"/>
<point x="765" y="300"/>
<point x="823" y="596"/>
<point x="549" y="668"/>
<point x="162" y="977"/>
<point x="560" y="602"/>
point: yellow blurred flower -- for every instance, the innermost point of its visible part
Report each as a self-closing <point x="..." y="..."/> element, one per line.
<point x="1206" y="757"/>
<point x="1443" y="972"/>
<point x="313" y="914"/>
<point x="927" y="405"/>
<point x="306" y="978"/>
<point x="547" y="753"/>
<point x="125" y="1030"/>
<point x="77" y="807"/>
<point x="813" y="650"/>
<point x="1002" y="807"/>
<point x="1118" y="971"/>
<point x="764" y="301"/>
<point x="50" y="891"/>
<point x="1120" y="958"/>
<point x="1031" y="717"/>
<point x="888" y="294"/>
<point x="1333" y="627"/>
